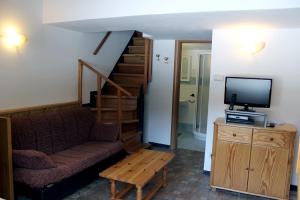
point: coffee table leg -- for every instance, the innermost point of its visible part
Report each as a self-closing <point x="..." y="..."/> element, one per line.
<point x="113" y="189"/>
<point x="164" y="177"/>
<point x="139" y="193"/>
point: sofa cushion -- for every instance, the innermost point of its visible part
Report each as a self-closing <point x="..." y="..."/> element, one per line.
<point x="43" y="132"/>
<point x="52" y="131"/>
<point x="83" y="156"/>
<point x="69" y="162"/>
<point x="23" y="136"/>
<point x="104" y="132"/>
<point x="77" y="123"/>
<point x="42" y="177"/>
<point x="31" y="159"/>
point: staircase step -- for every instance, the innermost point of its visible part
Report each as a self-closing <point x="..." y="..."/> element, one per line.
<point x="128" y="135"/>
<point x="138" y="41"/>
<point x="130" y="121"/>
<point x="137" y="147"/>
<point x="134" y="58"/>
<point x="136" y="49"/>
<point x="123" y="122"/>
<point x="125" y="78"/>
<point x="111" y="101"/>
<point x="129" y="127"/>
<point x="131" y="68"/>
<point x="116" y="97"/>
<point x="133" y="143"/>
<point x="124" y="109"/>
<point x="131" y="65"/>
<point x="113" y="115"/>
<point x="132" y="88"/>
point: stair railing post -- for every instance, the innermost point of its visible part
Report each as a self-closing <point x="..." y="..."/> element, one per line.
<point x="146" y="65"/>
<point x="150" y="53"/>
<point x="120" y="112"/>
<point x="80" y="77"/>
<point x="99" y="97"/>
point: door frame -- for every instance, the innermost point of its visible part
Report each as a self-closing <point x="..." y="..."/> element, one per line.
<point x="176" y="87"/>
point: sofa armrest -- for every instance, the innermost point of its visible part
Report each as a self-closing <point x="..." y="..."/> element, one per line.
<point x="31" y="159"/>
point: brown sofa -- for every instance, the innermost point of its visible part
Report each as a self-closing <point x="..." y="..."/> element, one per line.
<point x="50" y="148"/>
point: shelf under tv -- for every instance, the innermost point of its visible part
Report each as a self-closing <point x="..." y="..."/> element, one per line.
<point x="243" y="117"/>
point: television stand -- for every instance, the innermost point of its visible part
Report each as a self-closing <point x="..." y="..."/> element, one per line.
<point x="246" y="109"/>
<point x="245" y="117"/>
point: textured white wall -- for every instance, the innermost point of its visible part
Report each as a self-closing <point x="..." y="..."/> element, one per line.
<point x="158" y="101"/>
<point x="279" y="60"/>
<point x="44" y="70"/>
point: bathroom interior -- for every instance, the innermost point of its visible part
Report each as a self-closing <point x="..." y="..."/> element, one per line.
<point x="194" y="94"/>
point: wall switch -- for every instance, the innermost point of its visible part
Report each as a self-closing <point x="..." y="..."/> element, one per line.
<point x="218" y="77"/>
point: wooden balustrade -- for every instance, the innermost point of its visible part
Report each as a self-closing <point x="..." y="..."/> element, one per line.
<point x="100" y="78"/>
<point x="146" y="64"/>
<point x="120" y="111"/>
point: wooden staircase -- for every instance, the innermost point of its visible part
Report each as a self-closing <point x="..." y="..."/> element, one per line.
<point x="132" y="73"/>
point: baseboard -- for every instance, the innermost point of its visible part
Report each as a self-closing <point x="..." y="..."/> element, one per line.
<point x="292" y="187"/>
<point x="153" y="144"/>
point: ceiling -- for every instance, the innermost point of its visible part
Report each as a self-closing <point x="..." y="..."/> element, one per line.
<point x="190" y="25"/>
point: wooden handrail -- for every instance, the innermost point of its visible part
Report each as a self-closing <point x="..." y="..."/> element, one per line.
<point x="104" y="77"/>
<point x="102" y="43"/>
<point x="40" y="108"/>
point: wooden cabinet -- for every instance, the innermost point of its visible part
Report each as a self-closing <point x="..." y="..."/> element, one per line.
<point x="231" y="163"/>
<point x="253" y="160"/>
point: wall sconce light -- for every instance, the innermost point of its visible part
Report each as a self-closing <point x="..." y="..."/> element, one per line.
<point x="252" y="47"/>
<point x="251" y="39"/>
<point x="12" y="38"/>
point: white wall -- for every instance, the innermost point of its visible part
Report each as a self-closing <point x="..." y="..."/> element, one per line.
<point x="279" y="60"/>
<point x="158" y="101"/>
<point x="73" y="10"/>
<point x="44" y="71"/>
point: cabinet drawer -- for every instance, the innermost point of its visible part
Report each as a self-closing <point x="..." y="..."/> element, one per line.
<point x="235" y="134"/>
<point x="271" y="138"/>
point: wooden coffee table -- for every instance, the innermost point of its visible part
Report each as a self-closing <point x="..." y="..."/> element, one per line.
<point x="137" y="170"/>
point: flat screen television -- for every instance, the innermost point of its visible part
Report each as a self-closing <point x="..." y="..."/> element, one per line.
<point x="248" y="92"/>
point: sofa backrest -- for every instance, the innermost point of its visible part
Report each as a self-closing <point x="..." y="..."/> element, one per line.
<point x="52" y="131"/>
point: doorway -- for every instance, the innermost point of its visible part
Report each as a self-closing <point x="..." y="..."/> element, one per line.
<point x="190" y="96"/>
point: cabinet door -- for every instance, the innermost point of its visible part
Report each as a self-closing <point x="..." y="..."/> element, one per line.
<point x="268" y="168"/>
<point x="231" y="165"/>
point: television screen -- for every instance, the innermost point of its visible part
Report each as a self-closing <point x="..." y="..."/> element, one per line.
<point x="253" y="92"/>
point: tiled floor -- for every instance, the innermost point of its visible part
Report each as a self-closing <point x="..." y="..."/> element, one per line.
<point x="186" y="140"/>
<point x="186" y="182"/>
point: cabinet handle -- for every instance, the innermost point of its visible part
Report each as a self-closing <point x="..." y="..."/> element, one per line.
<point x="247" y="168"/>
<point x="234" y="135"/>
<point x="271" y="139"/>
<point x="251" y="169"/>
